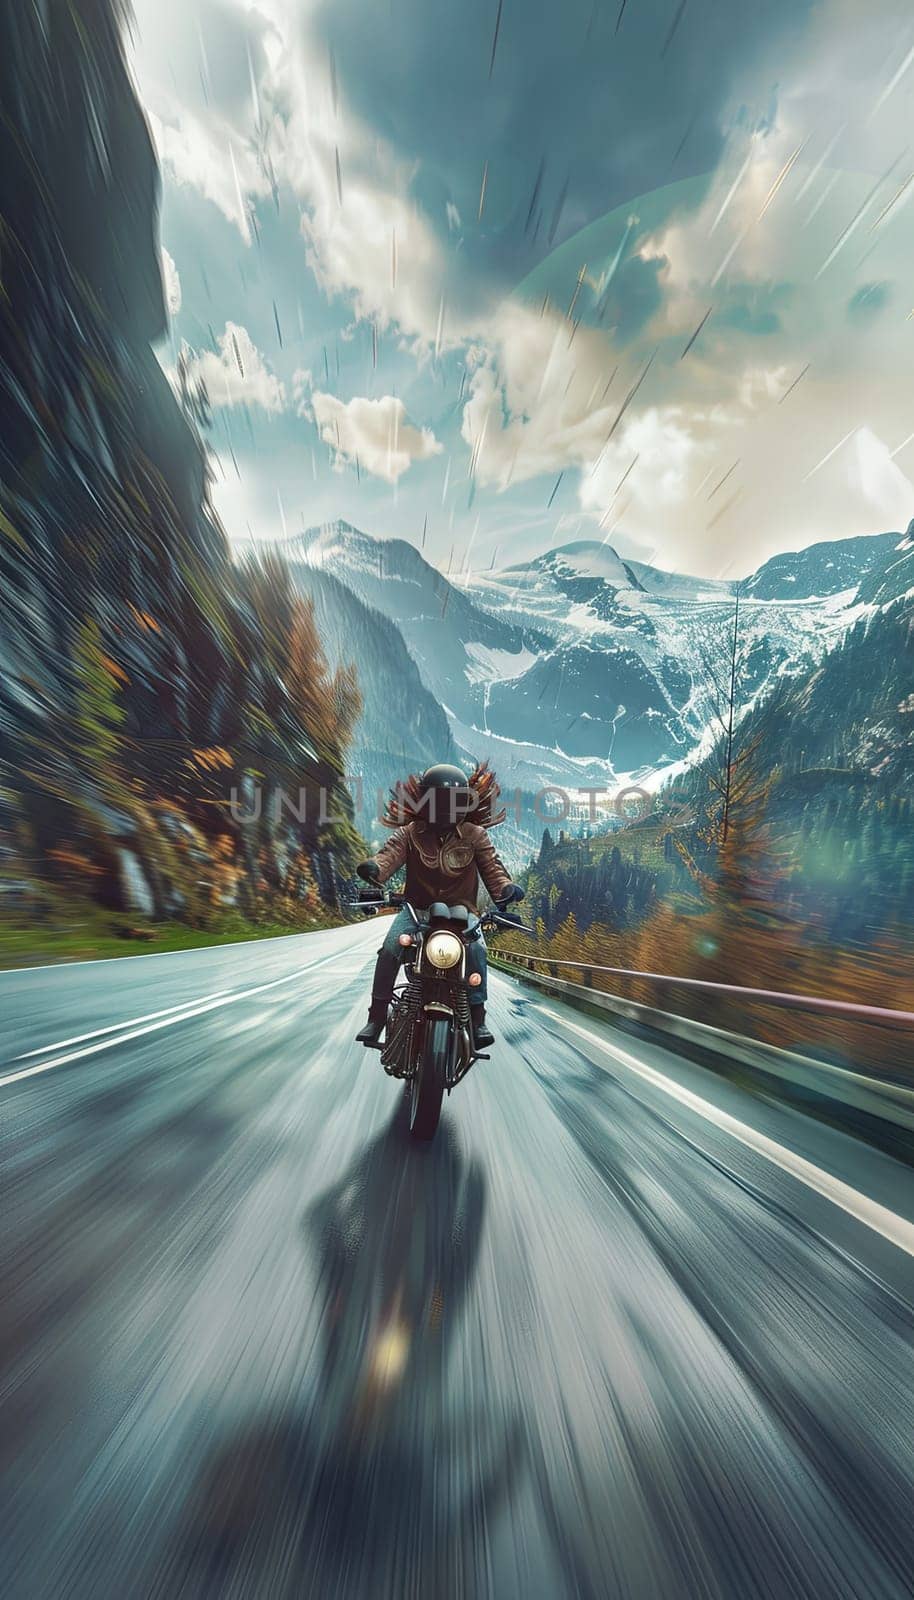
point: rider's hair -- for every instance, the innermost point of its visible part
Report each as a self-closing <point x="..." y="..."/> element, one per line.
<point x="405" y="803"/>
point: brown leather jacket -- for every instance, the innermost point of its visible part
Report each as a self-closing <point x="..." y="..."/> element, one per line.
<point x="446" y="867"/>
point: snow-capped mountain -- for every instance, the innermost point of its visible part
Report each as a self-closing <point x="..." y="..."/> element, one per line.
<point x="845" y="731"/>
<point x="629" y="682"/>
<point x="821" y="569"/>
<point x="402" y="727"/>
<point x="457" y="645"/>
<point x="892" y="576"/>
<point x="579" y="667"/>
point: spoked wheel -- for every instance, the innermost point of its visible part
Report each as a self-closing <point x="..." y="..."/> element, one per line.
<point x="427" y="1087"/>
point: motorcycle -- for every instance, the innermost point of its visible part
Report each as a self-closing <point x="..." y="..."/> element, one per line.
<point x="428" y="1040"/>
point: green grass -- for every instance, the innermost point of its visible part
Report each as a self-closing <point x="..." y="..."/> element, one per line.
<point x="87" y="933"/>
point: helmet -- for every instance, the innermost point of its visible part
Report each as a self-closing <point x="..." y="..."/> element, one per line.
<point x="446" y="796"/>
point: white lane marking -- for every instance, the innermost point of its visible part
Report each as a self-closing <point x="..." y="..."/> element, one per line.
<point x="168" y="1022"/>
<point x="115" y="1027"/>
<point x="160" y="955"/>
<point x="896" y="1229"/>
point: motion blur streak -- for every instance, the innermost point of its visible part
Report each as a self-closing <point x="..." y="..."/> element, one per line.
<point x="587" y="1343"/>
<point x="168" y="1018"/>
<point x="867" y="1211"/>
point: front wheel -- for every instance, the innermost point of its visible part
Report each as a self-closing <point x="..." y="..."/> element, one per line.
<point x="427" y="1087"/>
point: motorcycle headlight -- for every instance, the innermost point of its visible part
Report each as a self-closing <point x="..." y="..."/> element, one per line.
<point x="443" y="949"/>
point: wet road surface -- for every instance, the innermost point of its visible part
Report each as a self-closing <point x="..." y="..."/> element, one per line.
<point x="622" y="1330"/>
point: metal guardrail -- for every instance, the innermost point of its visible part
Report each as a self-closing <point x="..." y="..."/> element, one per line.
<point x="773" y="997"/>
<point x="876" y="1109"/>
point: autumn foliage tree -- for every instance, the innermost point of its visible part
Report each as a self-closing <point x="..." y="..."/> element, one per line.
<point x="329" y="706"/>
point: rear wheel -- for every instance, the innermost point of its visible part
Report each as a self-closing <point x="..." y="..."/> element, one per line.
<point x="427" y="1087"/>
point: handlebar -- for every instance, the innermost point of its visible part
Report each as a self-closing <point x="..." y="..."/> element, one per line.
<point x="503" y="921"/>
<point x="494" y="915"/>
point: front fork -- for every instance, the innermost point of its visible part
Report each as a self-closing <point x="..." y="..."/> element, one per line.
<point x="401" y="1050"/>
<point x="457" y="1008"/>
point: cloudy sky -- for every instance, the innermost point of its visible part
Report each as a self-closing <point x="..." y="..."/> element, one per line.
<point x="492" y="275"/>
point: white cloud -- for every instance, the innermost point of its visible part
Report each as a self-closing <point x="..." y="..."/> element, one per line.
<point x="374" y="433"/>
<point x="664" y="449"/>
<point x="541" y="399"/>
<point x="171" y="284"/>
<point x="547" y="398"/>
<point x="760" y="385"/>
<point x="363" y="238"/>
<point x="874" y="476"/>
<point x="302" y="384"/>
<point x="377" y="250"/>
<point x="544" y="400"/>
<point x="238" y="375"/>
<point x="207" y="156"/>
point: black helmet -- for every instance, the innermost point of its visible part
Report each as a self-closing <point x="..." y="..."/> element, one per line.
<point x="447" y="796"/>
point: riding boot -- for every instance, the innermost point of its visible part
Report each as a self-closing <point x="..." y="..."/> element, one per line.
<point x="377" y="1016"/>
<point x="482" y="1036"/>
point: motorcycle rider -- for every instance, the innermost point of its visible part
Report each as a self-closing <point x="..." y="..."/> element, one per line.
<point x="445" y="854"/>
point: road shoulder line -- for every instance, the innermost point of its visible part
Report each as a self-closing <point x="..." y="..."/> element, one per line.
<point x="193" y="1009"/>
<point x="160" y="955"/>
<point x="879" y="1218"/>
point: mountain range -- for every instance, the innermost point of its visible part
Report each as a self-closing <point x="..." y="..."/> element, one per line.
<point x="849" y="723"/>
<point x="577" y="667"/>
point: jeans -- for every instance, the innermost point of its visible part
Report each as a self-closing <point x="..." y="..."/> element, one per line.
<point x="391" y="954"/>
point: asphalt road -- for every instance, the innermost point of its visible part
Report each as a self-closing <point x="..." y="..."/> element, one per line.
<point x="623" y="1330"/>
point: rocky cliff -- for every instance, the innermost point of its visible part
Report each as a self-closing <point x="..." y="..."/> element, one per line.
<point x="142" y="676"/>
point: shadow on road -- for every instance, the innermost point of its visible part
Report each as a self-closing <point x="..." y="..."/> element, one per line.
<point x="390" y="1477"/>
